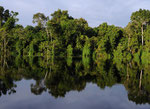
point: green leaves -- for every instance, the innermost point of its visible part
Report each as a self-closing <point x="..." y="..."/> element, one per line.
<point x="141" y="16"/>
<point x="40" y="19"/>
<point x="69" y="51"/>
<point x="63" y="35"/>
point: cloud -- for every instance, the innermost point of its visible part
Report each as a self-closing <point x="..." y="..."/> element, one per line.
<point x="115" y="12"/>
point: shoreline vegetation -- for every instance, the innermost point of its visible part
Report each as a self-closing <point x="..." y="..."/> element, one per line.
<point x="65" y="36"/>
<point x="107" y="55"/>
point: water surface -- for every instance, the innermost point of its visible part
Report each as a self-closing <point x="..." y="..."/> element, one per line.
<point x="73" y="84"/>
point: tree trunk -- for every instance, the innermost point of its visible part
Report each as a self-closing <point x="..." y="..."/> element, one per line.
<point x="140" y="82"/>
<point x="128" y="43"/>
<point x="47" y="32"/>
<point x="4" y="47"/>
<point x="51" y="43"/>
<point x="53" y="49"/>
<point x="142" y="35"/>
<point x="127" y="72"/>
<point x="47" y="54"/>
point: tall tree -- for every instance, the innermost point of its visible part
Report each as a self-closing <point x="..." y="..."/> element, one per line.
<point x="140" y="19"/>
<point x="40" y="19"/>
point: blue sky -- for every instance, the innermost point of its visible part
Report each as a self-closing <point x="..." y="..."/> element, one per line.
<point x="115" y="12"/>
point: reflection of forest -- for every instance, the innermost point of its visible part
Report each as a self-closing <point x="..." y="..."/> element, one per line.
<point x="63" y="75"/>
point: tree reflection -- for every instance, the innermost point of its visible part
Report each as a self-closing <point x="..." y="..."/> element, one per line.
<point x="59" y="76"/>
<point x="7" y="85"/>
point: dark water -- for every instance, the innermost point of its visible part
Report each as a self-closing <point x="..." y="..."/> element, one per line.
<point x="35" y="83"/>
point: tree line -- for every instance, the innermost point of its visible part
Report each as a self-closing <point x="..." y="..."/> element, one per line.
<point x="61" y="35"/>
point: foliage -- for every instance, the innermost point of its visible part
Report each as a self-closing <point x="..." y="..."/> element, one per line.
<point x="62" y="35"/>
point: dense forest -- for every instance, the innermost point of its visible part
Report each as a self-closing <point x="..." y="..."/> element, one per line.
<point x="46" y="52"/>
<point x="61" y="35"/>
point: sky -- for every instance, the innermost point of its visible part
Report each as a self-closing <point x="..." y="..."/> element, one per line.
<point x="116" y="12"/>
